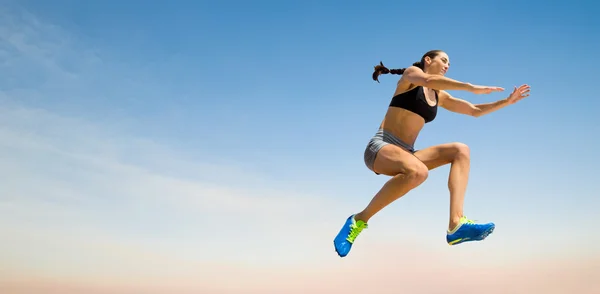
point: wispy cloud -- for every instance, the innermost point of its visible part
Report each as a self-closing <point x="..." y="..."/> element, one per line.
<point x="88" y="197"/>
<point x="62" y="175"/>
<point x="90" y="204"/>
<point x="39" y="55"/>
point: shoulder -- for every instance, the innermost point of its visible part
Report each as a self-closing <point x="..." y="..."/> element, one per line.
<point x="407" y="80"/>
<point x="412" y="69"/>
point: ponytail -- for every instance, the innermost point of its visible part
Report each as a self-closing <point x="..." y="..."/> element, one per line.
<point x="381" y="69"/>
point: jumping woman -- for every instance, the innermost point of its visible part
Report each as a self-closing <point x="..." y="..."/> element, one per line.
<point x="420" y="90"/>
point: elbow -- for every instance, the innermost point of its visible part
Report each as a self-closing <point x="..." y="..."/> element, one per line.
<point x="476" y="112"/>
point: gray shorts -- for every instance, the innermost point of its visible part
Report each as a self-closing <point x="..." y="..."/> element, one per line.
<point x="380" y="139"/>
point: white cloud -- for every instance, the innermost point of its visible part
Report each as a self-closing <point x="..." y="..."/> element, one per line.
<point x="39" y="54"/>
<point x="90" y="198"/>
<point x="61" y="174"/>
<point x="70" y="185"/>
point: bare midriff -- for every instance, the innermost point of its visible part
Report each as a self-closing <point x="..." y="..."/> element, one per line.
<point x="403" y="124"/>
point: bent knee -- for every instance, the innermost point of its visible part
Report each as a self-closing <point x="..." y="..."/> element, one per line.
<point x="461" y="150"/>
<point x="417" y="173"/>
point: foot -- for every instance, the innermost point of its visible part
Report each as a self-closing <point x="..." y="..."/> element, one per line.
<point x="467" y="230"/>
<point x="345" y="238"/>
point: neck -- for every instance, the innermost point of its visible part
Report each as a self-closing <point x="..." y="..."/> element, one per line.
<point x="431" y="73"/>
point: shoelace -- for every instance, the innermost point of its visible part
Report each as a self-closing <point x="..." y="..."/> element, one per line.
<point x="355" y="230"/>
<point x="465" y="220"/>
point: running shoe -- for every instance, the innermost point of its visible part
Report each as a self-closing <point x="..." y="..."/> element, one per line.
<point x="345" y="238"/>
<point x="467" y="230"/>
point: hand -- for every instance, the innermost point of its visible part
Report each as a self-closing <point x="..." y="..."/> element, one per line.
<point x="518" y="94"/>
<point x="484" y="89"/>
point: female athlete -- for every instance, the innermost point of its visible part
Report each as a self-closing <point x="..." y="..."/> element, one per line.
<point x="419" y="92"/>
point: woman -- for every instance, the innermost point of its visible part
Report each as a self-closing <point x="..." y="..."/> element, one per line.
<point x="419" y="92"/>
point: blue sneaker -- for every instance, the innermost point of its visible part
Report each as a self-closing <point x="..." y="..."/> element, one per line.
<point x="467" y="230"/>
<point x="345" y="238"/>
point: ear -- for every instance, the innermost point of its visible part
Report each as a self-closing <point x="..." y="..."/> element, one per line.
<point x="427" y="60"/>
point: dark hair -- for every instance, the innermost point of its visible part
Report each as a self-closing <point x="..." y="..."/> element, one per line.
<point x="381" y="69"/>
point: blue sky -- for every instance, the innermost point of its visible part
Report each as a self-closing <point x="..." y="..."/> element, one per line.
<point x="176" y="117"/>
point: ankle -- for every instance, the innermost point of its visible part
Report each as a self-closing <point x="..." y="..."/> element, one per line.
<point x="361" y="216"/>
<point x="454" y="222"/>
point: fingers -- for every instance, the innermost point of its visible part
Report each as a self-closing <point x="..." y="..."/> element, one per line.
<point x="523" y="89"/>
<point x="521" y="92"/>
<point x="487" y="89"/>
<point x="521" y="97"/>
<point x="517" y="94"/>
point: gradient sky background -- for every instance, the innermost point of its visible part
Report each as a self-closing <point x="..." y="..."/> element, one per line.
<point x="216" y="147"/>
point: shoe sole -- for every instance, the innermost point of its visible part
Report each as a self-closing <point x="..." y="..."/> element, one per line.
<point x="481" y="237"/>
<point x="486" y="233"/>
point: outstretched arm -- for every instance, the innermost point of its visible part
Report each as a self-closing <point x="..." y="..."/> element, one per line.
<point x="416" y="76"/>
<point x="465" y="107"/>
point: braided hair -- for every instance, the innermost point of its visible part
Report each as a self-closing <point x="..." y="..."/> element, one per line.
<point x="381" y="69"/>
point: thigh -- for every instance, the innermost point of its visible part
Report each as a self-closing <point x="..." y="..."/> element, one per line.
<point x="392" y="160"/>
<point x="436" y="156"/>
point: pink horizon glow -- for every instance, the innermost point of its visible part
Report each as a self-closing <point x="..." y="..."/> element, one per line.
<point x="378" y="271"/>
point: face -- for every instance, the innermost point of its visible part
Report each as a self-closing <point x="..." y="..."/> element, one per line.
<point x="439" y="64"/>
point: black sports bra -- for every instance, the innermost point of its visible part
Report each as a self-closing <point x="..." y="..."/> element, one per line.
<point x="414" y="101"/>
